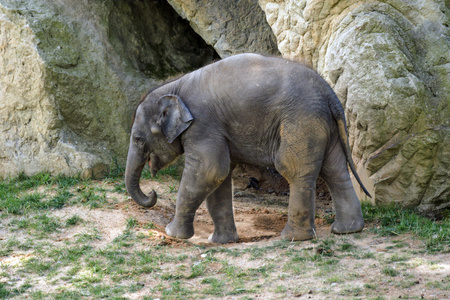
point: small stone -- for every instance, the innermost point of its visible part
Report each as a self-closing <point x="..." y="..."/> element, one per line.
<point x="243" y="195"/>
<point x="86" y="174"/>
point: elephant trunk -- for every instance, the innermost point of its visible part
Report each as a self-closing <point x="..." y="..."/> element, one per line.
<point x="132" y="176"/>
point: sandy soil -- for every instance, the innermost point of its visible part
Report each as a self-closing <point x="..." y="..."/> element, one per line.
<point x="261" y="214"/>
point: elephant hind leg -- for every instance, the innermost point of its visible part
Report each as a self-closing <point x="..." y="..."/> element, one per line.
<point x="349" y="217"/>
<point x="300" y="225"/>
<point x="299" y="160"/>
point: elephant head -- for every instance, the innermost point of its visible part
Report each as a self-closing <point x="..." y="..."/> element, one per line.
<point x="155" y="138"/>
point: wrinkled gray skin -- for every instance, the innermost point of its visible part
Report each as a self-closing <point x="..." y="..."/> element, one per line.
<point x="246" y="109"/>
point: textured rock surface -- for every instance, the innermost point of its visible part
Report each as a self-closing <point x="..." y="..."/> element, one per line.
<point x="389" y="63"/>
<point x="72" y="73"/>
<point x="230" y="26"/>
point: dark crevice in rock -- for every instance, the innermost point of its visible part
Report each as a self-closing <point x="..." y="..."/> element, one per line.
<point x="155" y="40"/>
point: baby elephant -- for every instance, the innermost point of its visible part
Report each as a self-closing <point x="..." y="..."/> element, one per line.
<point x="251" y="109"/>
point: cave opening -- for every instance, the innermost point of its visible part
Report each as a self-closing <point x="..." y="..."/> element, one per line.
<point x="153" y="39"/>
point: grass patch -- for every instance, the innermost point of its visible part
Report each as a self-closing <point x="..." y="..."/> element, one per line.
<point x="24" y="182"/>
<point x="347" y="247"/>
<point x="73" y="221"/>
<point x="86" y="237"/>
<point x="18" y="205"/>
<point x="443" y="284"/>
<point x="390" y="271"/>
<point x="16" y="198"/>
<point x="40" y="224"/>
<point x="393" y="220"/>
<point x="89" y="196"/>
<point x="131" y="262"/>
<point x="38" y="266"/>
<point x="198" y="269"/>
<point x="215" y="286"/>
<point x="131" y="223"/>
<point x="59" y="200"/>
<point x="8" y="292"/>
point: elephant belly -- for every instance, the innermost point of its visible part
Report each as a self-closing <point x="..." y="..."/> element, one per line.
<point x="252" y="154"/>
<point x="252" y="142"/>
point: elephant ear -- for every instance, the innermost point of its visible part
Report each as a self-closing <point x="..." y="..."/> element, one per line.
<point x="174" y="117"/>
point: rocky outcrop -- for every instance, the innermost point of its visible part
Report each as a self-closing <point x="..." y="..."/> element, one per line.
<point x="230" y="26"/>
<point x="72" y="73"/>
<point x="389" y="63"/>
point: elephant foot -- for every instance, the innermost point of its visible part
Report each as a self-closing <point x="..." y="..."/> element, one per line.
<point x="223" y="238"/>
<point x="298" y="234"/>
<point x="180" y="231"/>
<point x="347" y="227"/>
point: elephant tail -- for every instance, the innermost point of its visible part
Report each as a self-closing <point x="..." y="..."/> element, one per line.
<point x="339" y="116"/>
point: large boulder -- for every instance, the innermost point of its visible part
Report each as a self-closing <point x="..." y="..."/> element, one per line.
<point x="389" y="63"/>
<point x="72" y="73"/>
<point x="230" y="26"/>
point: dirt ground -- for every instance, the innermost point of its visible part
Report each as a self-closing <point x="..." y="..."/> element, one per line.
<point x="261" y="214"/>
<point x="261" y="199"/>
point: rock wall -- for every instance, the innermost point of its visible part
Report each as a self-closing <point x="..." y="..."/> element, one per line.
<point x="72" y="73"/>
<point x="389" y="63"/>
<point x="230" y="26"/>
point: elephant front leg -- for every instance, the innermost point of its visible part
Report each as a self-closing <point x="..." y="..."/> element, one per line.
<point x="201" y="177"/>
<point x="191" y="194"/>
<point x="220" y="207"/>
<point x="182" y="226"/>
<point x="188" y="201"/>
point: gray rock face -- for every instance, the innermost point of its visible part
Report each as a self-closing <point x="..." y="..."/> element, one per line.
<point x="389" y="63"/>
<point x="72" y="73"/>
<point x="230" y="26"/>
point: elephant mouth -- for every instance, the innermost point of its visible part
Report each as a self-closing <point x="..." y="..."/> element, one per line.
<point x="153" y="163"/>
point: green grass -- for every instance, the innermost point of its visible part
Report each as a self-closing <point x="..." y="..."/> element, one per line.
<point x="59" y="200"/>
<point x="37" y="225"/>
<point x="24" y="182"/>
<point x="131" y="223"/>
<point x="17" y="196"/>
<point x="73" y="221"/>
<point x="214" y="286"/>
<point x="390" y="271"/>
<point x="393" y="220"/>
<point x="8" y="292"/>
<point x="77" y="267"/>
<point x="89" y="196"/>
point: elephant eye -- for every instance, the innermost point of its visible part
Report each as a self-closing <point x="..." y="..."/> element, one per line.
<point x="139" y="140"/>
